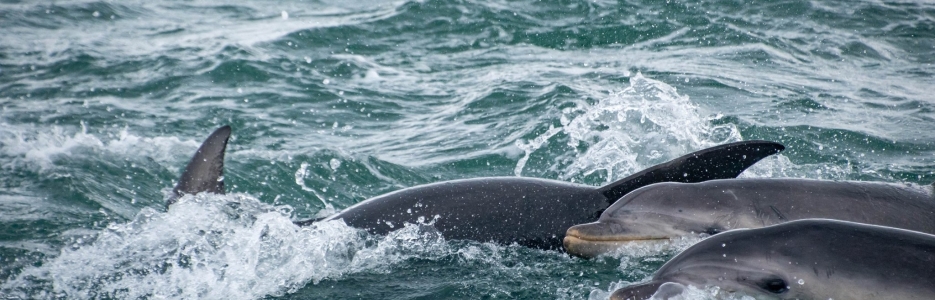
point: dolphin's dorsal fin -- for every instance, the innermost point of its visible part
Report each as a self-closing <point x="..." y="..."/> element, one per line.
<point x="719" y="162"/>
<point x="205" y="172"/>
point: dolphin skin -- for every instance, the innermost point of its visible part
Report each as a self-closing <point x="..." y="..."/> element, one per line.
<point x="803" y="259"/>
<point x="529" y="211"/>
<point x="668" y="210"/>
<point x="205" y="171"/>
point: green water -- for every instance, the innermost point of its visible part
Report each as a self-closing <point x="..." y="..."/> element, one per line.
<point x="333" y="102"/>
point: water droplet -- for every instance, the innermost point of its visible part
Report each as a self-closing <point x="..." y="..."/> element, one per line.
<point x="326" y="81"/>
<point x="96" y="14"/>
<point x="285" y="15"/>
<point x="335" y="164"/>
<point x="801" y="281"/>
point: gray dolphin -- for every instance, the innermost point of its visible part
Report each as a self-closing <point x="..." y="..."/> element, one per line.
<point x="529" y="211"/>
<point x="804" y="259"/>
<point x="667" y="210"/>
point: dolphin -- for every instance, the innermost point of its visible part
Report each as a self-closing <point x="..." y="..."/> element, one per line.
<point x="532" y="212"/>
<point x="803" y="259"/>
<point x="668" y="210"/>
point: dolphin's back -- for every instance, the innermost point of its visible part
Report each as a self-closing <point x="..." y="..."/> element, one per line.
<point x="781" y="200"/>
<point x="528" y="211"/>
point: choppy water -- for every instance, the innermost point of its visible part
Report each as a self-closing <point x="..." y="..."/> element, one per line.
<point x="333" y="102"/>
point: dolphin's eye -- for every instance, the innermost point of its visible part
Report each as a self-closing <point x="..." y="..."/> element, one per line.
<point x="774" y="285"/>
<point x="712" y="231"/>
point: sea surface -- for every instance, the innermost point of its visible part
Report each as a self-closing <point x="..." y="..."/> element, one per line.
<point x="102" y="103"/>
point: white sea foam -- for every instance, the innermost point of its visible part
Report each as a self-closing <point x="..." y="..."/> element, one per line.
<point x="29" y="146"/>
<point x="644" y="124"/>
<point x="219" y="247"/>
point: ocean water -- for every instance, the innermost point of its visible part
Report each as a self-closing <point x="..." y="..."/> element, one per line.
<point x="332" y="102"/>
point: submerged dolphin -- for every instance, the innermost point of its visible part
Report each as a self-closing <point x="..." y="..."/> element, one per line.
<point x="805" y="259"/>
<point x="528" y="211"/>
<point x="667" y="210"/>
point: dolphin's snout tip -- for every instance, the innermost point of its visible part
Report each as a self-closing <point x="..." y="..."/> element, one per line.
<point x="587" y="249"/>
<point x="593" y="239"/>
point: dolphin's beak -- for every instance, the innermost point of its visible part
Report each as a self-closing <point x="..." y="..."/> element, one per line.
<point x="641" y="291"/>
<point x="593" y="239"/>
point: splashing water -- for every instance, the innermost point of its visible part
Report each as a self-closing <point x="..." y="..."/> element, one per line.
<point x="692" y="292"/>
<point x="300" y="180"/>
<point x="641" y="259"/>
<point x="634" y="254"/>
<point x="216" y="246"/>
<point x="37" y="148"/>
<point x="689" y="292"/>
<point x="644" y="124"/>
<point x="236" y="247"/>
